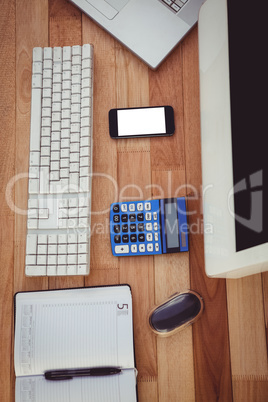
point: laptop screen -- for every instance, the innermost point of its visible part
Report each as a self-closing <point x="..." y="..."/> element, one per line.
<point x="249" y="119"/>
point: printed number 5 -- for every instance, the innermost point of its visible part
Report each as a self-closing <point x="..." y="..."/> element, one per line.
<point x="122" y="306"/>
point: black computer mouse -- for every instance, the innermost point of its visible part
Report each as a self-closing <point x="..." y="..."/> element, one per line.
<point x="179" y="311"/>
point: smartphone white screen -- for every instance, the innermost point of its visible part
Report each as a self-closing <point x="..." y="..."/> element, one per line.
<point x="141" y="121"/>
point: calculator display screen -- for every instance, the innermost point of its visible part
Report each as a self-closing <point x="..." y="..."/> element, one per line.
<point x="171" y="225"/>
<point x="144" y="121"/>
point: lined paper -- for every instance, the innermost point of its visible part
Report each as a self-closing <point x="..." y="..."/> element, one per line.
<point x="112" y="388"/>
<point x="73" y="329"/>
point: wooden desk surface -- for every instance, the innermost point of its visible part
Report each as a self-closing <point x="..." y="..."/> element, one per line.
<point x="223" y="357"/>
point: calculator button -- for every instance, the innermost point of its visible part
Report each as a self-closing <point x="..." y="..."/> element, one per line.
<point x="142" y="248"/>
<point x="155" y="226"/>
<point x="155" y="216"/>
<point x="141" y="237"/>
<point x="131" y="207"/>
<point x="125" y="238"/>
<point x="132" y="218"/>
<point x="132" y="227"/>
<point x="116" y="228"/>
<point x="140" y="217"/>
<point x="148" y="216"/>
<point x="149" y="237"/>
<point x="150" y="247"/>
<point x="117" y="239"/>
<point x="156" y="247"/>
<point x="147" y="206"/>
<point x="133" y="248"/>
<point x="125" y="228"/>
<point x="149" y="226"/>
<point x="141" y="227"/>
<point x="116" y="218"/>
<point x="123" y="249"/>
<point x="156" y="237"/>
<point x="133" y="238"/>
<point x="140" y="206"/>
<point x="124" y="218"/>
<point x="124" y="207"/>
<point x="116" y="208"/>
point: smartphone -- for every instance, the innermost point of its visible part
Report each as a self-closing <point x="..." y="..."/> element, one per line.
<point x="141" y="122"/>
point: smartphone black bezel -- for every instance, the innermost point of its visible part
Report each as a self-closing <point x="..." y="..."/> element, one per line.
<point x="169" y="118"/>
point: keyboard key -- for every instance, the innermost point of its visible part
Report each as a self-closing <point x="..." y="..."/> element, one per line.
<point x="116" y="228"/>
<point x="142" y="248"/>
<point x="140" y="217"/>
<point x="124" y="218"/>
<point x="140" y="206"/>
<point x="125" y="238"/>
<point x="134" y="248"/>
<point x="116" y="218"/>
<point x="122" y="249"/>
<point x="147" y="206"/>
<point x="141" y="237"/>
<point x="132" y="227"/>
<point x="133" y="238"/>
<point x="125" y="228"/>
<point x="124" y="207"/>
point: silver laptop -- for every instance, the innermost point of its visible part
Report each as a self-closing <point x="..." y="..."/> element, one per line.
<point x="149" y="28"/>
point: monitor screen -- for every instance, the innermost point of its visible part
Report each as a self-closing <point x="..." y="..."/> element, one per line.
<point x="248" y="65"/>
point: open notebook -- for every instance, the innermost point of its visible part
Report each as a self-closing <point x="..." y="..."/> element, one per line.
<point x="74" y="328"/>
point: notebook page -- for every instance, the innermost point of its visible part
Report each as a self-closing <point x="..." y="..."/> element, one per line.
<point x="73" y="328"/>
<point x="114" y="388"/>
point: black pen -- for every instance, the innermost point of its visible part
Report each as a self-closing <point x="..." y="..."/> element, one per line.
<point x="55" y="375"/>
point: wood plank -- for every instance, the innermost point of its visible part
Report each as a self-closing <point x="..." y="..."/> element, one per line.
<point x="7" y="218"/>
<point x="132" y="90"/>
<point x="212" y="364"/>
<point x="250" y="389"/>
<point x="31" y="31"/>
<point x="104" y="267"/>
<point x="246" y="313"/>
<point x="265" y="301"/>
<point x="65" y="24"/>
<point x="166" y="88"/>
<point x="147" y="390"/>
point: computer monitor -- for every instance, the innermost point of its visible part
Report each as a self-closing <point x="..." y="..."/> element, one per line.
<point x="234" y="114"/>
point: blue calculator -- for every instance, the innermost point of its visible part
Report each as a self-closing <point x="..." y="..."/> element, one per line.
<point x="149" y="227"/>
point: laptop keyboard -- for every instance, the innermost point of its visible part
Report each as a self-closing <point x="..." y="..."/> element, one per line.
<point x="174" y="5"/>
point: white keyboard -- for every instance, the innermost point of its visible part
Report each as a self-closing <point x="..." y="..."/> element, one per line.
<point x="60" y="163"/>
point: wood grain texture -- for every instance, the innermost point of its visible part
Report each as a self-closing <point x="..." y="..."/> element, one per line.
<point x="132" y="90"/>
<point x="265" y="301"/>
<point x="7" y="218"/>
<point x="65" y="22"/>
<point x="246" y="312"/>
<point x="147" y="390"/>
<point x="223" y="357"/>
<point x="250" y="389"/>
<point x="31" y="31"/>
<point x="166" y="88"/>
<point x="210" y="334"/>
